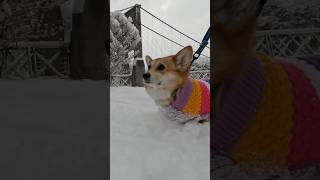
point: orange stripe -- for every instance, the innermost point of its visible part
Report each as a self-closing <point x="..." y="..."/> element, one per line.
<point x="266" y="141"/>
<point x="193" y="105"/>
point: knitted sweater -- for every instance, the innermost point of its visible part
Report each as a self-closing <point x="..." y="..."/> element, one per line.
<point x="270" y="116"/>
<point x="192" y="102"/>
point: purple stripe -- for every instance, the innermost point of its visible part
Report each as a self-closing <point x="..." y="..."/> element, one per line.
<point x="238" y="108"/>
<point x="183" y="97"/>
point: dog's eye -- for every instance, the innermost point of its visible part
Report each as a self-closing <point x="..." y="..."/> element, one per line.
<point x="160" y="67"/>
<point x="149" y="67"/>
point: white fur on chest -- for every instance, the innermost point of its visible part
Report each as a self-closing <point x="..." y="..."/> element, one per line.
<point x="160" y="96"/>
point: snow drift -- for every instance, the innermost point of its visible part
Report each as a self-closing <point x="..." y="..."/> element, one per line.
<point x="147" y="146"/>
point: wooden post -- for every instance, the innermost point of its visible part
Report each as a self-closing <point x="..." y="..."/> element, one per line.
<point x="138" y="70"/>
<point x="76" y="49"/>
<point x="89" y="35"/>
<point x="133" y="74"/>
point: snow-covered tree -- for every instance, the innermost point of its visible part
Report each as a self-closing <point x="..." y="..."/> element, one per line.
<point x="36" y="20"/>
<point x="124" y="37"/>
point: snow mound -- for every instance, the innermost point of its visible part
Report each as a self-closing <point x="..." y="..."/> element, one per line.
<point x="144" y="145"/>
<point x="53" y="129"/>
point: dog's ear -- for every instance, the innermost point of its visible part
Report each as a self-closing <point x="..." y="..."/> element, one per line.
<point x="148" y="59"/>
<point x="233" y="15"/>
<point x="183" y="58"/>
<point x="234" y="23"/>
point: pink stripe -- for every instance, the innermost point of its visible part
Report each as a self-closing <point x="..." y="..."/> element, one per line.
<point x="205" y="98"/>
<point x="305" y="144"/>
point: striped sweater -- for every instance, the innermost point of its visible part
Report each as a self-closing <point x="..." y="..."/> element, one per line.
<point x="192" y="102"/>
<point x="270" y="115"/>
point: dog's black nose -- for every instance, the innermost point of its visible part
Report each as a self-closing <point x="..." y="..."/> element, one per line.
<point x="146" y="75"/>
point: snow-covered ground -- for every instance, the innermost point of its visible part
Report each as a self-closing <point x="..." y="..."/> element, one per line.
<point x="53" y="129"/>
<point x="147" y="146"/>
<point x="58" y="124"/>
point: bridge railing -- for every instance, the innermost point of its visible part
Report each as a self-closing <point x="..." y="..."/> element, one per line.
<point x="24" y="60"/>
<point x="131" y="78"/>
<point x="200" y="74"/>
<point x="121" y="80"/>
<point x="290" y="42"/>
<point x="127" y="79"/>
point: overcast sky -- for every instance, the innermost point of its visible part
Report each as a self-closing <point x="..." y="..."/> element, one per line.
<point x="190" y="16"/>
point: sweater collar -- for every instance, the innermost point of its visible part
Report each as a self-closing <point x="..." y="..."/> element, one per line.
<point x="183" y="95"/>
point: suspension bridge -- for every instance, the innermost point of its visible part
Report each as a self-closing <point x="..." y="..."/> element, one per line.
<point x="160" y="38"/>
<point x="25" y="59"/>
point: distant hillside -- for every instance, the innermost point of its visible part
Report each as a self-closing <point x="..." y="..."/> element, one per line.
<point x="282" y="14"/>
<point x="293" y="3"/>
<point x="203" y="63"/>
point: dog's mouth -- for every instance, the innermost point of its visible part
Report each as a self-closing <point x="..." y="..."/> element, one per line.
<point x="152" y="84"/>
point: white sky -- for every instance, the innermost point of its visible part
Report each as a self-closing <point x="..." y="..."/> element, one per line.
<point x="189" y="16"/>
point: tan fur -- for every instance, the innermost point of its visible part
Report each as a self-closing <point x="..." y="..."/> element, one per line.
<point x="172" y="77"/>
<point x="234" y="24"/>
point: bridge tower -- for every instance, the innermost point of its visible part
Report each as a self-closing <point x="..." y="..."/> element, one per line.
<point x="138" y="66"/>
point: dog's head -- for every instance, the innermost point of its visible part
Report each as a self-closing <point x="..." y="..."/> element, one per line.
<point x="234" y="25"/>
<point x="167" y="74"/>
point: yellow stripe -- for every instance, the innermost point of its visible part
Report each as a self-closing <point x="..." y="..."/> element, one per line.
<point x="193" y="105"/>
<point x="266" y="141"/>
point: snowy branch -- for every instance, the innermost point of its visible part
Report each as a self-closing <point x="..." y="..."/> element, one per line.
<point x="124" y="37"/>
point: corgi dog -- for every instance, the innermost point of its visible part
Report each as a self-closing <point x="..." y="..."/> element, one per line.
<point x="169" y="84"/>
<point x="265" y="109"/>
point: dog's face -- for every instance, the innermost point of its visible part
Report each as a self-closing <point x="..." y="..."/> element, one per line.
<point x="234" y="24"/>
<point x="233" y="14"/>
<point x="167" y="74"/>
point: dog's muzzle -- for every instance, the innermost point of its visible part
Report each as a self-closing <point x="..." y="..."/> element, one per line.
<point x="146" y="77"/>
